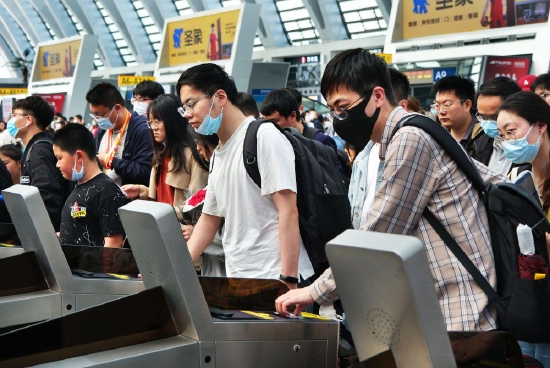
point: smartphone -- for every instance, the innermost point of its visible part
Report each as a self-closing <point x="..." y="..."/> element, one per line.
<point x="525" y="180"/>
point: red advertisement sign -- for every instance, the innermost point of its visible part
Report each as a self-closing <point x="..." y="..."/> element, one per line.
<point x="511" y="67"/>
<point x="56" y="100"/>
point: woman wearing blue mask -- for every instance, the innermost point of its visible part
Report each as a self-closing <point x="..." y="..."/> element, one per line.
<point x="178" y="169"/>
<point x="522" y="123"/>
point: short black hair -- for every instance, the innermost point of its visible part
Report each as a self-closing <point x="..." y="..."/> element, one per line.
<point x="297" y="95"/>
<point x="281" y="101"/>
<point x="208" y="78"/>
<point x="463" y="88"/>
<point x="38" y="108"/>
<point x="12" y="150"/>
<point x="400" y="84"/>
<point x="357" y="70"/>
<point x="542" y="81"/>
<point x="78" y="116"/>
<point x="75" y="137"/>
<point x="104" y="94"/>
<point x="247" y="104"/>
<point x="149" y="89"/>
<point x="502" y="87"/>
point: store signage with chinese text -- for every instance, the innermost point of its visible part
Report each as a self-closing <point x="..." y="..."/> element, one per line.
<point x="420" y="76"/>
<point x="57" y="60"/>
<point x="199" y="39"/>
<point x="12" y="91"/>
<point x="423" y="18"/>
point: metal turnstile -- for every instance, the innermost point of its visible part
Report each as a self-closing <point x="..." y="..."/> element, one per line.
<point x="54" y="290"/>
<point x="388" y="294"/>
<point x="194" y="335"/>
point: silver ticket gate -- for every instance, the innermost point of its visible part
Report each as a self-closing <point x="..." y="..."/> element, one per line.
<point x="388" y="294"/>
<point x="193" y="335"/>
<point x="61" y="292"/>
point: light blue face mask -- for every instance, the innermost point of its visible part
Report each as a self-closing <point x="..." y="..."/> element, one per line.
<point x="433" y="112"/>
<point x="11" y="128"/>
<point x="77" y="175"/>
<point x="105" y="123"/>
<point x="519" y="151"/>
<point x="210" y="125"/>
<point x="490" y="127"/>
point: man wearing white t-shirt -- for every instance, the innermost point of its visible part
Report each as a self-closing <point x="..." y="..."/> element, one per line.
<point x="262" y="237"/>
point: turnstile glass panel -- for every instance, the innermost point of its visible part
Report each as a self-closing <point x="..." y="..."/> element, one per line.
<point x="101" y="262"/>
<point x="21" y="274"/>
<point x="8" y="235"/>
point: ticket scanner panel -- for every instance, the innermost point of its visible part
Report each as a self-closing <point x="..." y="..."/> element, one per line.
<point x="66" y="292"/>
<point x="202" y="337"/>
<point x="388" y="294"/>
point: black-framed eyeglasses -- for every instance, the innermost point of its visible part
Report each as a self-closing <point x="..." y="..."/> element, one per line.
<point x="154" y="124"/>
<point x="94" y="116"/>
<point x="133" y="100"/>
<point x="188" y="107"/>
<point x="341" y="113"/>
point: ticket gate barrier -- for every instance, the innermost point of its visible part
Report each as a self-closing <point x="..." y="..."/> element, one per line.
<point x="65" y="292"/>
<point x="9" y="241"/>
<point x="204" y="335"/>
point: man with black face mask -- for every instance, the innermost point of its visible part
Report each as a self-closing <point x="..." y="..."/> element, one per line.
<point x="417" y="174"/>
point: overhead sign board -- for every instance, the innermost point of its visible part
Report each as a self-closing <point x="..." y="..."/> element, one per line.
<point x="132" y="80"/>
<point x="388" y="58"/>
<point x="200" y="38"/>
<point x="13" y="91"/>
<point x="439" y="73"/>
<point x="511" y="67"/>
<point x="57" y="60"/>
<point x="424" y="76"/>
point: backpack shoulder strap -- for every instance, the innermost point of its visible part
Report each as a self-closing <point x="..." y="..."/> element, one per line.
<point x="29" y="150"/>
<point x="449" y="144"/>
<point x="461" y="256"/>
<point x="250" y="150"/>
<point x="310" y="132"/>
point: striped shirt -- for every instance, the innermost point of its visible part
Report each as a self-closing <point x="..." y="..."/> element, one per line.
<point x="417" y="174"/>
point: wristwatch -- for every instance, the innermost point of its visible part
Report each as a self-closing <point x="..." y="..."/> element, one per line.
<point x="289" y="279"/>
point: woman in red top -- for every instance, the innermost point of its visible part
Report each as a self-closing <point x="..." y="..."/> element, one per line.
<point x="178" y="169"/>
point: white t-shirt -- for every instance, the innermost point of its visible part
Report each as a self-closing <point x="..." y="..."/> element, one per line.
<point x="251" y="235"/>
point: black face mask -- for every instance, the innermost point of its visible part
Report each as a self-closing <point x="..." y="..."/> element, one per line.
<point x="357" y="128"/>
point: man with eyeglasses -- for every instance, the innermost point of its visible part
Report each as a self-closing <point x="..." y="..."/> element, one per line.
<point x="488" y="147"/>
<point x="262" y="236"/>
<point x="541" y="86"/>
<point x="417" y="174"/>
<point x="453" y="103"/>
<point x="144" y="93"/>
<point x="123" y="140"/>
<point x="29" y="120"/>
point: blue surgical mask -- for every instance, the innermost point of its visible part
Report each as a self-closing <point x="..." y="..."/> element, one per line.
<point x="490" y="127"/>
<point x="77" y="175"/>
<point x="433" y="112"/>
<point x="210" y="125"/>
<point x="11" y="128"/>
<point x="519" y="151"/>
<point x="105" y="123"/>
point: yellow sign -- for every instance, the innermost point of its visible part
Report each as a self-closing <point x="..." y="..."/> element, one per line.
<point x="58" y="60"/>
<point x="387" y="57"/>
<point x="132" y="80"/>
<point x="13" y="91"/>
<point x="428" y="18"/>
<point x="199" y="39"/>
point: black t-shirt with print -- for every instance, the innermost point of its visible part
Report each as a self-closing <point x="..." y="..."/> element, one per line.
<point x="91" y="212"/>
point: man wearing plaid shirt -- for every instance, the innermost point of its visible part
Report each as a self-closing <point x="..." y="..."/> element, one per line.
<point x="418" y="173"/>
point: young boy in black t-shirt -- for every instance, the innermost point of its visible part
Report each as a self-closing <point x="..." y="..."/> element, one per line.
<point x="90" y="215"/>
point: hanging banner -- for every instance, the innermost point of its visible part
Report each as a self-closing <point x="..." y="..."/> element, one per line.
<point x="199" y="39"/>
<point x="55" y="100"/>
<point x="423" y="18"/>
<point x="57" y="60"/>
<point x="511" y="67"/>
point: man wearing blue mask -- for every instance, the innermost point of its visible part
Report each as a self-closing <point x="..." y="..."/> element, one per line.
<point x="28" y="121"/>
<point x="144" y="93"/>
<point x="123" y="140"/>
<point x="261" y="237"/>
<point x="488" y="147"/>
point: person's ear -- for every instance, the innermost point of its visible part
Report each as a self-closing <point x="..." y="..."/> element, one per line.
<point x="378" y="95"/>
<point x="221" y="97"/>
<point x="468" y="104"/>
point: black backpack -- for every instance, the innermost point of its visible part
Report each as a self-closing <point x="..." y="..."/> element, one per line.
<point x="523" y="306"/>
<point x="322" y="199"/>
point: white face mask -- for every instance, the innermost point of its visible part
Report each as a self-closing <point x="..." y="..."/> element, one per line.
<point x="140" y="108"/>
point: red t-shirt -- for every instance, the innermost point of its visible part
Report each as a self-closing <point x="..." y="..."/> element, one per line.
<point x="165" y="193"/>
